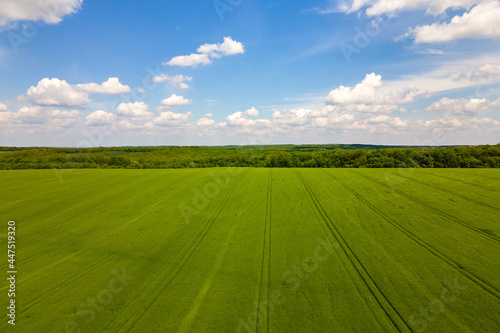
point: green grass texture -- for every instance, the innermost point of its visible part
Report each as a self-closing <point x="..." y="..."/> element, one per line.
<point x="253" y="250"/>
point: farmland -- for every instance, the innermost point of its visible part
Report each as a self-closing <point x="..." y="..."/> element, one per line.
<point x="254" y="250"/>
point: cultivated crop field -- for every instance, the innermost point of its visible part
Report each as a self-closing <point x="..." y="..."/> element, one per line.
<point x="254" y="250"/>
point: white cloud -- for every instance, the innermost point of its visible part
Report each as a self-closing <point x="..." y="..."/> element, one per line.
<point x="40" y="115"/>
<point x="482" y="21"/>
<point x="228" y="47"/>
<point x="51" y="12"/>
<point x="175" y="100"/>
<point x="66" y="119"/>
<point x="291" y="117"/>
<point x="379" y="7"/>
<point x="371" y="108"/>
<point x="485" y="72"/>
<point x="6" y="117"/>
<point x="100" y="118"/>
<point x="447" y="74"/>
<point x="192" y="60"/>
<point x="169" y="118"/>
<point x="205" y="122"/>
<point x="58" y="93"/>
<point x="239" y="119"/>
<point x="31" y="115"/>
<point x="21" y="98"/>
<point x="207" y="52"/>
<point x="243" y="118"/>
<point x="370" y="96"/>
<point x="464" y="107"/>
<point x="363" y="93"/>
<point x="110" y="87"/>
<point x="432" y="52"/>
<point x="176" y="80"/>
<point x="434" y="7"/>
<point x="3" y="107"/>
<point x="136" y="109"/>
<point x="55" y="92"/>
<point x="252" y="112"/>
<point x="386" y="120"/>
<point x="356" y="5"/>
<point x="405" y="95"/>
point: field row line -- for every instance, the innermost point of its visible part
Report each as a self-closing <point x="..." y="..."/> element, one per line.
<point x="452" y="193"/>
<point x="459" y="180"/>
<point x="475" y="279"/>
<point x="265" y="286"/>
<point x="478" y="175"/>
<point x="391" y="312"/>
<point x="152" y="290"/>
<point x="82" y="194"/>
<point x="436" y="211"/>
<point x="56" y="289"/>
<point x="79" y="235"/>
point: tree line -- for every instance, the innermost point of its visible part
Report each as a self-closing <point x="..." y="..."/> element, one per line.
<point x="281" y="156"/>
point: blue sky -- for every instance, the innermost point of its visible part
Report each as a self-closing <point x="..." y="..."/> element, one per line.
<point x="106" y="73"/>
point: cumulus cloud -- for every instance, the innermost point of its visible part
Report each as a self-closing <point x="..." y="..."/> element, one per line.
<point x="176" y="80"/>
<point x="434" y="7"/>
<point x="31" y="115"/>
<point x="486" y="71"/>
<point x="136" y="109"/>
<point x="207" y="52"/>
<point x="228" y="47"/>
<point x="100" y="118"/>
<point x="110" y="87"/>
<point x="192" y="60"/>
<point x="363" y="93"/>
<point x="55" y="92"/>
<point x="169" y="118"/>
<point x="204" y="122"/>
<point x="293" y="117"/>
<point x="3" y="107"/>
<point x="6" y="117"/>
<point x="367" y="97"/>
<point x="175" y="100"/>
<point x="64" y="118"/>
<point x="243" y="118"/>
<point x="463" y="106"/>
<point x="482" y="21"/>
<point x="37" y="10"/>
<point x="40" y="115"/>
<point x="252" y="112"/>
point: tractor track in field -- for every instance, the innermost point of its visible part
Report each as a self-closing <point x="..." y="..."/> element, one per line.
<point x="454" y="194"/>
<point x="480" y="176"/>
<point x="36" y="182"/>
<point x="82" y="198"/>
<point x="447" y="216"/>
<point x="459" y="180"/>
<point x="265" y="286"/>
<point x="470" y="276"/>
<point x="79" y="235"/>
<point x="57" y="188"/>
<point x="163" y="279"/>
<point x="55" y="290"/>
<point x="390" y="311"/>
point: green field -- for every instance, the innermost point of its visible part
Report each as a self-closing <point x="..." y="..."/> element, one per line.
<point x="254" y="250"/>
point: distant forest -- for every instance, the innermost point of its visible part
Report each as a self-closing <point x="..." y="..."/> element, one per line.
<point x="281" y="156"/>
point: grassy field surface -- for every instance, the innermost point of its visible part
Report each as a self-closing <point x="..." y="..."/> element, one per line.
<point x="254" y="250"/>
